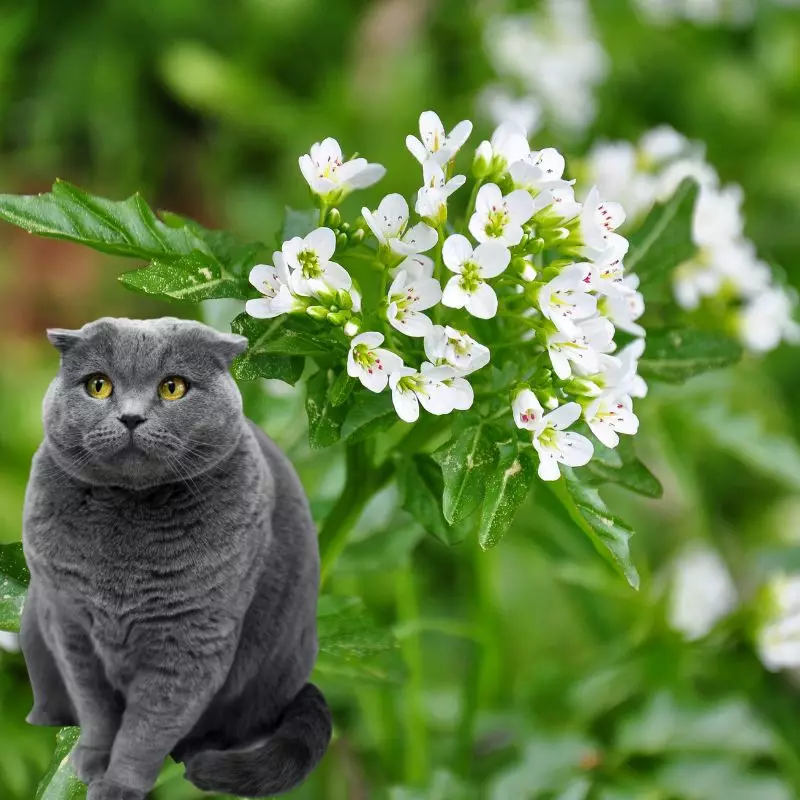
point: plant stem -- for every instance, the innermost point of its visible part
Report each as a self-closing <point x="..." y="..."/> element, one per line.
<point x="362" y="481"/>
<point x="437" y="269"/>
<point x="416" y="745"/>
<point x="471" y="202"/>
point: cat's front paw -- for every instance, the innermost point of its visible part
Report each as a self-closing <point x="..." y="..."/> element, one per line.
<point x="103" y="789"/>
<point x="90" y="763"/>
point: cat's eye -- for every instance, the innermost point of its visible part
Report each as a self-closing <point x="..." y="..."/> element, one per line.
<point x="172" y="388"/>
<point x="99" y="386"/>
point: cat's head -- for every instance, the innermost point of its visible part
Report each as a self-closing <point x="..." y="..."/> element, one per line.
<point x="138" y="403"/>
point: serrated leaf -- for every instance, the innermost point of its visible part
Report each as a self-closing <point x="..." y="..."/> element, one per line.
<point x="506" y="489"/>
<point x="60" y="781"/>
<point x="368" y="414"/>
<point x="421" y="489"/>
<point x="664" y="239"/>
<point x="609" y="534"/>
<point x="14" y="580"/>
<point x="190" y="278"/>
<point x="257" y="361"/>
<point x="466" y="462"/>
<point x="298" y="222"/>
<point x="745" y="436"/>
<point x="621" y="466"/>
<point x="324" y="419"/>
<point x="341" y="389"/>
<point x="351" y="646"/>
<point x="675" y="355"/>
<point x="126" y="228"/>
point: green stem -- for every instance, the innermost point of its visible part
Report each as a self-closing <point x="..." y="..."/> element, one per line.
<point x="416" y="746"/>
<point x="437" y="270"/>
<point x="362" y="482"/>
<point x="471" y="202"/>
<point x="323" y="212"/>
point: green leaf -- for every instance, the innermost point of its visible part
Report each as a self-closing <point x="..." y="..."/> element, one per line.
<point x="257" y="361"/>
<point x="341" y="389"/>
<point x="421" y="489"/>
<point x="324" y="419"/>
<point x="717" y="779"/>
<point x="677" y="354"/>
<point x="744" y="435"/>
<point x="664" y="725"/>
<point x="14" y="580"/>
<point x="664" y="239"/>
<point x="298" y="223"/>
<point x="60" y="781"/>
<point x="382" y="551"/>
<point x="609" y="534"/>
<point x="352" y="647"/>
<point x="190" y="278"/>
<point x="368" y="414"/>
<point x="466" y="462"/>
<point x="621" y="466"/>
<point x="506" y="489"/>
<point x="126" y="228"/>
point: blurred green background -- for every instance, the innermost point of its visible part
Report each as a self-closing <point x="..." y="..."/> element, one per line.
<point x="529" y="671"/>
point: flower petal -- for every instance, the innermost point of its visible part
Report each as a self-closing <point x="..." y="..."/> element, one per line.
<point x="489" y="197"/>
<point x="520" y="206"/>
<point x="322" y="241"/>
<point x="493" y="258"/>
<point x="575" y="450"/>
<point x="456" y="251"/>
<point x="416" y="148"/>
<point x="482" y="303"/>
<point x="563" y="416"/>
<point x="405" y="404"/>
<point x="454" y="296"/>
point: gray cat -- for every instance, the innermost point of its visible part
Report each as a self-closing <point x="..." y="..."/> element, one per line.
<point x="174" y="569"/>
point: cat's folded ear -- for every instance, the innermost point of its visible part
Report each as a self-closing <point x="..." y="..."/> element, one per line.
<point x="62" y="339"/>
<point x="228" y="345"/>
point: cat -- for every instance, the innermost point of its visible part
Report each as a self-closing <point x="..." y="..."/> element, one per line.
<point x="174" y="569"/>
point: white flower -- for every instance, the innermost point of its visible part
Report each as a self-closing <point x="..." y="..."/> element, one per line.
<point x="408" y="298"/>
<point x="626" y="306"/>
<point x="778" y="639"/>
<point x="595" y="336"/>
<point x="565" y="299"/>
<point x="9" y="642"/>
<point x="614" y="167"/>
<point x="461" y="394"/>
<point x="499" y="218"/>
<point x="273" y="283"/>
<point x="598" y="221"/>
<point x="410" y="388"/>
<point x="468" y="288"/>
<point x="415" y="266"/>
<point x="563" y="204"/>
<point x="621" y="378"/>
<point x="702" y="592"/>
<point x="608" y="416"/>
<point x="436" y="145"/>
<point x="527" y="409"/>
<point x="331" y="177"/>
<point x="555" y="445"/>
<point x="508" y="144"/>
<point x="370" y="363"/>
<point x="537" y="177"/>
<point x="446" y="346"/>
<point x="309" y="259"/>
<point x="389" y="222"/>
<point x="432" y="198"/>
<point x="767" y="319"/>
<point x="662" y="144"/>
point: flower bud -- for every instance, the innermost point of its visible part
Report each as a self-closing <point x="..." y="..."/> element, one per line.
<point x="317" y="312"/>
<point x="333" y="218"/>
<point x="482" y="162"/>
<point x="341" y="241"/>
<point x="352" y="326"/>
<point x="357" y="236"/>
<point x="345" y="226"/>
<point x="338" y="317"/>
<point x="344" y="299"/>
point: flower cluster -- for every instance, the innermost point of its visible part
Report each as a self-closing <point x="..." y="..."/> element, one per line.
<point x="554" y="57"/>
<point x="530" y="271"/>
<point x="726" y="273"/>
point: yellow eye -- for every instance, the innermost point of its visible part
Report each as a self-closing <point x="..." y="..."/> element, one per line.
<point x="172" y="388"/>
<point x="99" y="386"/>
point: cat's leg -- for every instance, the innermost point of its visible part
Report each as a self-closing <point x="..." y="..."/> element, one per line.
<point x="51" y="702"/>
<point x="99" y="712"/>
<point x="163" y="703"/>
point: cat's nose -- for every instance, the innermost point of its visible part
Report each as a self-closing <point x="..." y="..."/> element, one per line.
<point x="131" y="421"/>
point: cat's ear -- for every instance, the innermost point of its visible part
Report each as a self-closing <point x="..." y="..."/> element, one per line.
<point x="62" y="339"/>
<point x="229" y="345"/>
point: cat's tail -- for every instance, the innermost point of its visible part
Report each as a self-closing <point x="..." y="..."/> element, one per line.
<point x="272" y="765"/>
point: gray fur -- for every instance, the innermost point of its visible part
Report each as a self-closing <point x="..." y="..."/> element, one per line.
<point x="174" y="572"/>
